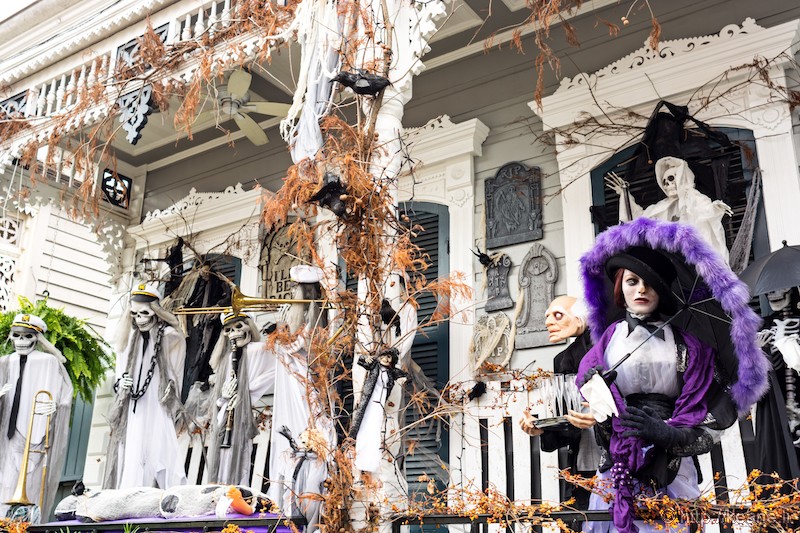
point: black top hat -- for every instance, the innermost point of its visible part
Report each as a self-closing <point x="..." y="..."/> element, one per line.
<point x="653" y="267"/>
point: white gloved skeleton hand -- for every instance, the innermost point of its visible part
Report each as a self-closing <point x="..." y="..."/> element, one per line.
<point x="124" y="384"/>
<point x="230" y="387"/>
<point x="45" y="407"/>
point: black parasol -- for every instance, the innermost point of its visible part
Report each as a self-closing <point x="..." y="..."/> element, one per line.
<point x="774" y="272"/>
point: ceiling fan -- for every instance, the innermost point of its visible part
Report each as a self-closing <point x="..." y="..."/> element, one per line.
<point x="235" y="103"/>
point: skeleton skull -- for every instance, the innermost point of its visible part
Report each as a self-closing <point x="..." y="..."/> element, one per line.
<point x="669" y="182"/>
<point x="143" y="316"/>
<point x="239" y="332"/>
<point x="779" y="300"/>
<point x="24" y="341"/>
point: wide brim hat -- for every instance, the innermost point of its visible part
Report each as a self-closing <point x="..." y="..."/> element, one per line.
<point x="146" y="292"/>
<point x="653" y="267"/>
<point x="26" y="322"/>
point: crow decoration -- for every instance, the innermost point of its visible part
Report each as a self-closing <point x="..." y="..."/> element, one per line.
<point x="478" y="390"/>
<point x="286" y="432"/>
<point x="362" y="82"/>
<point x="78" y="488"/>
<point x="483" y="257"/>
<point x="332" y="196"/>
<point x="389" y="316"/>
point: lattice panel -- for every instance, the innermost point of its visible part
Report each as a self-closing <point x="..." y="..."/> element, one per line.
<point x="9" y="230"/>
<point x="6" y="282"/>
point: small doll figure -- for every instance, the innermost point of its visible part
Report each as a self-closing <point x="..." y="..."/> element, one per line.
<point x="309" y="472"/>
<point x="369" y="416"/>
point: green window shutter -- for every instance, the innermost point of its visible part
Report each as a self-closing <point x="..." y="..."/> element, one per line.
<point x="431" y="348"/>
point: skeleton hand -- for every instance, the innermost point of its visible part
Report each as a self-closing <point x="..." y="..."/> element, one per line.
<point x="45" y="407"/>
<point x="124" y="384"/>
<point x="229" y="387"/>
<point x="4" y="389"/>
<point x="233" y="402"/>
<point x="167" y="391"/>
<point x="722" y="206"/>
<point x="615" y="183"/>
<point x="765" y="337"/>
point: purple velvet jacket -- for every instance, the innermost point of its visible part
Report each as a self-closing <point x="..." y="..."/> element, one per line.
<point x="626" y="452"/>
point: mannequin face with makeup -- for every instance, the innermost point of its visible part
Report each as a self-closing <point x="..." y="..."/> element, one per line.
<point x="640" y="298"/>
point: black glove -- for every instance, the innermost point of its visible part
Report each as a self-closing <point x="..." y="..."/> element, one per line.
<point x="643" y="423"/>
<point x="608" y="376"/>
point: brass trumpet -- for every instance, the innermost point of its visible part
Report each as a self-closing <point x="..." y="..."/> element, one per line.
<point x="20" y="496"/>
<point x="241" y="302"/>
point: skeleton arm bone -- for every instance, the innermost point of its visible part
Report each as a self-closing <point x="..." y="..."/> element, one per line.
<point x="620" y="186"/>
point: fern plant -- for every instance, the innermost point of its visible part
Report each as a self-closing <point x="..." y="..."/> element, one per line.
<point x="88" y="356"/>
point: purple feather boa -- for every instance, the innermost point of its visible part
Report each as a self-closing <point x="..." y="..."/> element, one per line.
<point x="733" y="295"/>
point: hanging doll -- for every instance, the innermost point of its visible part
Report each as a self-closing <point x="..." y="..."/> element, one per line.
<point x="369" y="415"/>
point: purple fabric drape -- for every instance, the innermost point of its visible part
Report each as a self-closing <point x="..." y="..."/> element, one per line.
<point x="626" y="452"/>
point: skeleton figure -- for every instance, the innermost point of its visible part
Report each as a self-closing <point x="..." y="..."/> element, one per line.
<point x="683" y="203"/>
<point x="22" y="374"/>
<point x="781" y="342"/>
<point x="143" y="450"/>
<point x="297" y="405"/>
<point x="245" y="371"/>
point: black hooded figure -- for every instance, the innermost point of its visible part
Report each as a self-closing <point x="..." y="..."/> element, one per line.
<point x="210" y="290"/>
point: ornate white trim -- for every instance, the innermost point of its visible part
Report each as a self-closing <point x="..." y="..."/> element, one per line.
<point x="666" y="50"/>
<point x="681" y="65"/>
<point x="82" y="31"/>
<point x="198" y="212"/>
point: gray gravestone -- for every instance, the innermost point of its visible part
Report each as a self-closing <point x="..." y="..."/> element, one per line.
<point x="497" y="283"/>
<point x="537" y="278"/>
<point x="513" y="205"/>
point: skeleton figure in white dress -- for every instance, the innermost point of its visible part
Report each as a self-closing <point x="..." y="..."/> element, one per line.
<point x="22" y="375"/>
<point x="143" y="449"/>
<point x="683" y="203"/>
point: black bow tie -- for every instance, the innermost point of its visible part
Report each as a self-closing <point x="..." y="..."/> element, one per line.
<point x="634" y="322"/>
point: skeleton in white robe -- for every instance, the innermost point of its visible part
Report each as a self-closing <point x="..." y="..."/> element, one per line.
<point x="683" y="203"/>
<point x="255" y="377"/>
<point x="143" y="450"/>
<point x="43" y="370"/>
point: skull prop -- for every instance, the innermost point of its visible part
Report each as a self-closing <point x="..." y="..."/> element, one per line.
<point x="238" y="332"/>
<point x="779" y="300"/>
<point x="24" y="340"/>
<point x="143" y="316"/>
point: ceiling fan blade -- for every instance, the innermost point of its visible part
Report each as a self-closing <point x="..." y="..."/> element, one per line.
<point x="239" y="83"/>
<point x="267" y="108"/>
<point x="251" y="129"/>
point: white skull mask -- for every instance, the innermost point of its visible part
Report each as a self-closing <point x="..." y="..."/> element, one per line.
<point x="779" y="300"/>
<point x="144" y="318"/>
<point x="24" y="341"/>
<point x="238" y="332"/>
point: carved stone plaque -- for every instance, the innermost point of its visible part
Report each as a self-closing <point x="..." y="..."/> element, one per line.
<point x="278" y="255"/>
<point x="497" y="283"/>
<point x="513" y="205"/>
<point x="537" y="278"/>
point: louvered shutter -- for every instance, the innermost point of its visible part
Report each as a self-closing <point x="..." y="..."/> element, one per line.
<point x="431" y="347"/>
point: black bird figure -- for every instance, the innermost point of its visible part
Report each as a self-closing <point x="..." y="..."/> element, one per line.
<point x="78" y="488"/>
<point x="331" y="196"/>
<point x="478" y="390"/>
<point x="389" y="316"/>
<point x="286" y="432"/>
<point x="362" y="82"/>
<point x="483" y="258"/>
